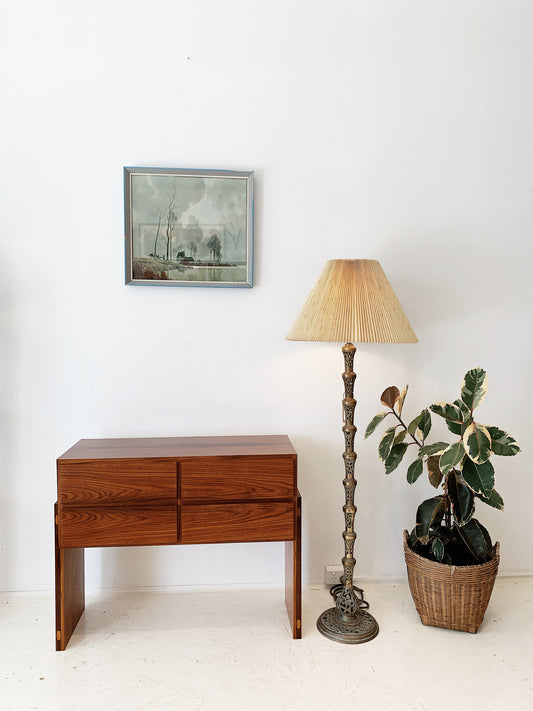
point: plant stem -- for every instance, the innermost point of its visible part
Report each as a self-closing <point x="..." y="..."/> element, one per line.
<point x="447" y="507"/>
<point x="415" y="441"/>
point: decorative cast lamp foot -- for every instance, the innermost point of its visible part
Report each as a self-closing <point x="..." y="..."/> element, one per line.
<point x="352" y="629"/>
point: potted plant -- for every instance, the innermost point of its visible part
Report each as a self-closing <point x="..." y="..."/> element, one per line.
<point x="451" y="560"/>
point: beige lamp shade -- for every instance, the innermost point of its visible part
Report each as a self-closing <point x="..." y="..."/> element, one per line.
<point x="352" y="302"/>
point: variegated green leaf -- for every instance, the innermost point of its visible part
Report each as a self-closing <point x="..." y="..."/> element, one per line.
<point x="434" y="472"/>
<point x="424" y="426"/>
<point x="447" y="410"/>
<point x="429" y="512"/>
<point x="399" y="437"/>
<point x="461" y="497"/>
<point x="474" y="388"/>
<point x="390" y="396"/>
<point x="377" y="420"/>
<point x="479" y="477"/>
<point x="494" y="500"/>
<point x="437" y="548"/>
<point x="455" y="427"/>
<point x="401" y="399"/>
<point x="476" y="538"/>
<point x="385" y="445"/>
<point x="451" y="456"/>
<point x="413" y="425"/>
<point x="435" y="448"/>
<point x="395" y="457"/>
<point x="413" y="540"/>
<point x="415" y="470"/>
<point x="464" y="409"/>
<point x="477" y="443"/>
<point x="502" y="442"/>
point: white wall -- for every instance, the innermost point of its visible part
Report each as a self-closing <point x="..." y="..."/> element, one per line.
<point x="399" y="131"/>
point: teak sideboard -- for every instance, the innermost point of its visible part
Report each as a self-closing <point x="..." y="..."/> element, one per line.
<point x="173" y="490"/>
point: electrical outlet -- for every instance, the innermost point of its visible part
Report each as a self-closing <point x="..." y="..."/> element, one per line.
<point x="332" y="574"/>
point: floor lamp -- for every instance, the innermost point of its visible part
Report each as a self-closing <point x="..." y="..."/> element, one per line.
<point x="352" y="302"/>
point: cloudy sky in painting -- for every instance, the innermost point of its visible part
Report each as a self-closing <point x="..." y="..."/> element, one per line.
<point x="211" y="204"/>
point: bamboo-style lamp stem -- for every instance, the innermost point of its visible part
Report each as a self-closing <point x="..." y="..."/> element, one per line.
<point x="351" y="301"/>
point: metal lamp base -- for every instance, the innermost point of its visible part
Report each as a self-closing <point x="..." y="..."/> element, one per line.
<point x="347" y="622"/>
<point x="348" y="629"/>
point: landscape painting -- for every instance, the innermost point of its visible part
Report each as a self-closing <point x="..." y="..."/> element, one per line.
<point x="188" y="227"/>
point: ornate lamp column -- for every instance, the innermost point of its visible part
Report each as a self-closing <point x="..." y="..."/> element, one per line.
<point x="347" y="622"/>
<point x="351" y="301"/>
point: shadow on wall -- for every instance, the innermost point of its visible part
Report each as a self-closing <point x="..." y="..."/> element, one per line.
<point x="8" y="338"/>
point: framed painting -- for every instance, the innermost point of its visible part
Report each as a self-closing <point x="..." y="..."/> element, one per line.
<point x="189" y="227"/>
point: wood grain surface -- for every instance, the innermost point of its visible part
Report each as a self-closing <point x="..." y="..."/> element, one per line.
<point x="232" y="523"/>
<point x="97" y="526"/>
<point x="237" y="478"/>
<point x="179" y="447"/>
<point x="138" y="480"/>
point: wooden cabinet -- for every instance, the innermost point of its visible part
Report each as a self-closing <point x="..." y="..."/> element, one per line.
<point x="181" y="490"/>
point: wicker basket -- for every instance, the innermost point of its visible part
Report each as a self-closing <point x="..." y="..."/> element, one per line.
<point x="449" y="596"/>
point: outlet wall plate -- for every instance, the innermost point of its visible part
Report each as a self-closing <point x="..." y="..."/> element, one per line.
<point x="332" y="574"/>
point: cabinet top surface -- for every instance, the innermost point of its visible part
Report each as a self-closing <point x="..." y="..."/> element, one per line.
<point x="179" y="447"/>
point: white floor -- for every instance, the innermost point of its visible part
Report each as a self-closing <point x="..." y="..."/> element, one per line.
<point x="229" y="650"/>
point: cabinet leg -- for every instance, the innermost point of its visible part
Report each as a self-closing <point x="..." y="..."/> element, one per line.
<point x="70" y="588"/>
<point x="293" y="574"/>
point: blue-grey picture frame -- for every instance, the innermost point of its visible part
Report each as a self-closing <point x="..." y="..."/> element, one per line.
<point x="188" y="227"/>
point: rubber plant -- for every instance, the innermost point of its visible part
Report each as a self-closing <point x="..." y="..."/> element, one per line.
<point x="445" y="529"/>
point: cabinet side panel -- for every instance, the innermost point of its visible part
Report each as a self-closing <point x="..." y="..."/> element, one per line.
<point x="293" y="574"/>
<point x="70" y="589"/>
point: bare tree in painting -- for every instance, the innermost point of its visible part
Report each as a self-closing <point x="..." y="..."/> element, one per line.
<point x="159" y="220"/>
<point x="235" y="233"/>
<point x="215" y="248"/>
<point x="171" y="219"/>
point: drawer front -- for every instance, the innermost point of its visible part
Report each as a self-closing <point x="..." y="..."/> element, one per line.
<point x="234" y="523"/>
<point x="237" y="478"/>
<point x="127" y="481"/>
<point x="117" y="526"/>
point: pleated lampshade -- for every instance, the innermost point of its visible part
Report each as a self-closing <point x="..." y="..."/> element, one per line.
<point x="352" y="302"/>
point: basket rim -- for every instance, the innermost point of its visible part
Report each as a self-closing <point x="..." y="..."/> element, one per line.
<point x="495" y="557"/>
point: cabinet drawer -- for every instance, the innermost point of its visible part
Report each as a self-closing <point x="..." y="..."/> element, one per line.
<point x="237" y="478"/>
<point x="233" y="523"/>
<point x="85" y="527"/>
<point x="109" y="482"/>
